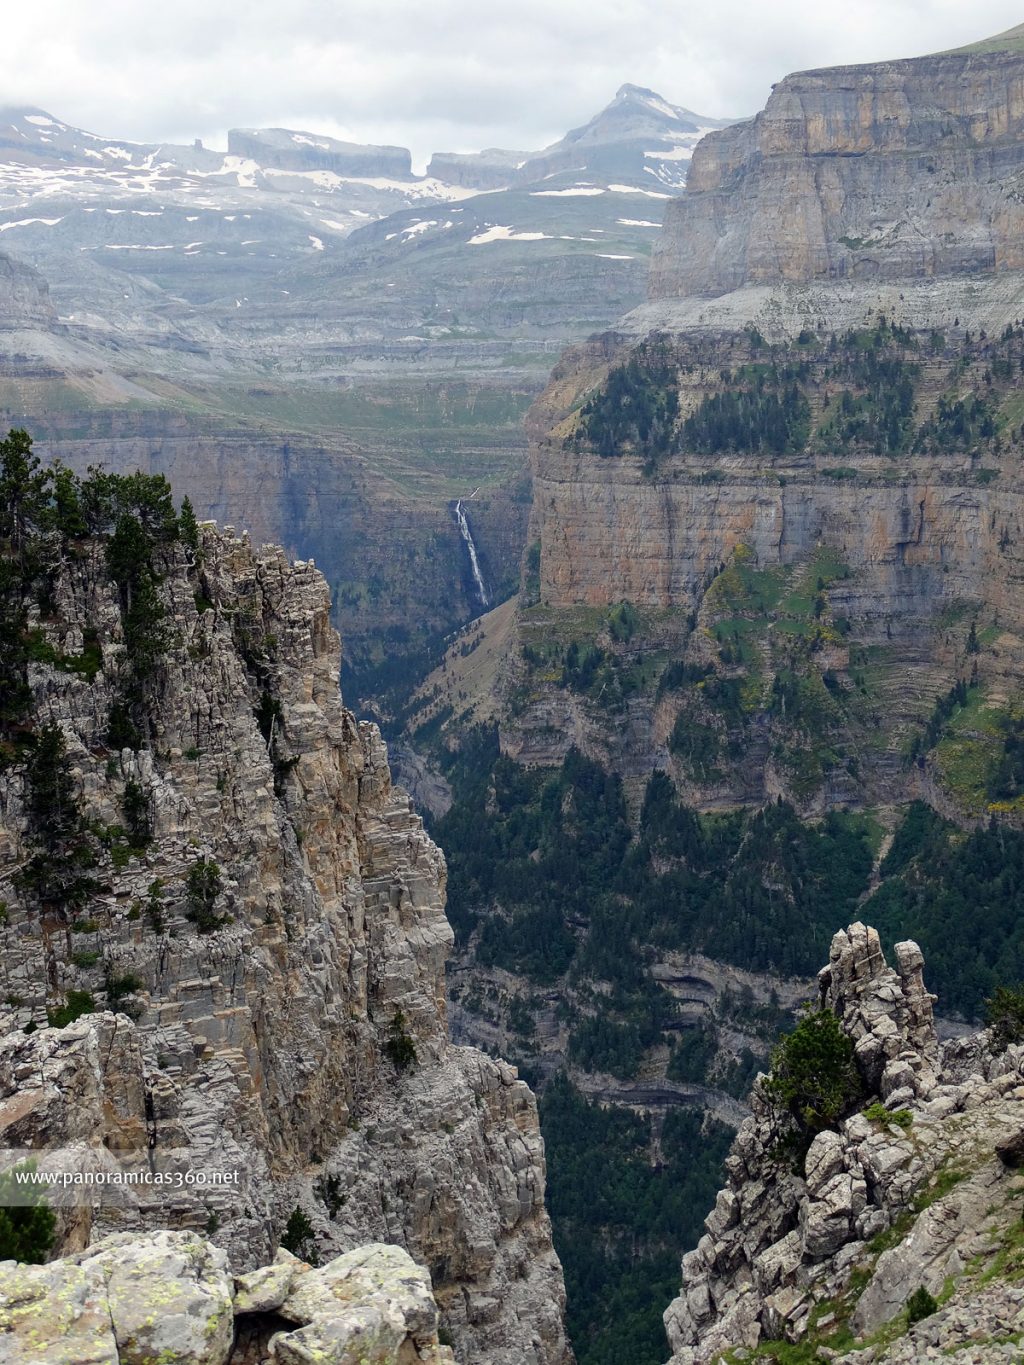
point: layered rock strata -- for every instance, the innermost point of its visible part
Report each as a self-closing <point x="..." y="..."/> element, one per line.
<point x="892" y="189"/>
<point x="301" y="1045"/>
<point x="911" y="1193"/>
<point x="905" y="169"/>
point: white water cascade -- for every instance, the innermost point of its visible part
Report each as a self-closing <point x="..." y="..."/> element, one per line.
<point x="474" y="563"/>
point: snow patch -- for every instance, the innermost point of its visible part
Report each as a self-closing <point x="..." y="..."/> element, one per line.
<point x="318" y="244"/>
<point x="659" y="106"/>
<point x="633" y="189"/>
<point x="506" y="234"/>
<point x="677" y="153"/>
<point x="577" y="192"/>
<point x="24" y="222"/>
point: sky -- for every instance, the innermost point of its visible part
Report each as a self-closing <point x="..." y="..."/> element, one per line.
<point x="450" y="75"/>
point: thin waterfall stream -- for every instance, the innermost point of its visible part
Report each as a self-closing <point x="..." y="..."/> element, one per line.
<point x="474" y="562"/>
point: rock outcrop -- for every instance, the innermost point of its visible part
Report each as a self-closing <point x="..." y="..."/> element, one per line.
<point x="905" y="1194"/>
<point x="24" y="297"/>
<point x="170" y="1296"/>
<point x="284" y="150"/>
<point x="897" y="170"/>
<point x="292" y="1045"/>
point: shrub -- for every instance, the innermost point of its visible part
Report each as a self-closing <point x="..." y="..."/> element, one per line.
<point x="878" y="1113"/>
<point x="26" y="1231"/>
<point x="154" y="905"/>
<point x="298" y="1237"/>
<point x="1004" y="1014"/>
<point x="920" y="1305"/>
<point x="77" y="1004"/>
<point x="121" y="731"/>
<point x="814" y="1076"/>
<point x="399" y="1045"/>
<point x="135" y="804"/>
<point x="119" y="988"/>
<point x="202" y="887"/>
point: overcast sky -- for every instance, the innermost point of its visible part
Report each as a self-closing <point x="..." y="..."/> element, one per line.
<point x="453" y="75"/>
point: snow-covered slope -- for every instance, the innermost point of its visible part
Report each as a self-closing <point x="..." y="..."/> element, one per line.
<point x="223" y="255"/>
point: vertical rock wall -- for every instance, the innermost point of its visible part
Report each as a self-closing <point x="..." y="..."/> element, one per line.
<point x="268" y="1046"/>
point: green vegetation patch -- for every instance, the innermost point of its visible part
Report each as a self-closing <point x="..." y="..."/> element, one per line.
<point x="960" y="895"/>
<point x="621" y="1218"/>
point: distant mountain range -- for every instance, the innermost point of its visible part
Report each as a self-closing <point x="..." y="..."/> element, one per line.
<point x="299" y="325"/>
<point x="118" y="227"/>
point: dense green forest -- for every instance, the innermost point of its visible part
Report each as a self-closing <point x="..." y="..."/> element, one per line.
<point x="552" y="877"/>
<point x="48" y="515"/>
<point x="625" y="1201"/>
<point x="824" y="393"/>
<point x="960" y="894"/>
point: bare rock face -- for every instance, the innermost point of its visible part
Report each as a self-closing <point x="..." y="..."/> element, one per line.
<point x="284" y="150"/>
<point x="906" y="1195"/>
<point x="24" y="296"/>
<point x="889" y="189"/>
<point x="887" y="1013"/>
<point x="897" y="170"/>
<point x="615" y="529"/>
<point x="292" y="1049"/>
<point x="169" y="1296"/>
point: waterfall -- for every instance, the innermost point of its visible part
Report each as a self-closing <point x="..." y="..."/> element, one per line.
<point x="474" y="563"/>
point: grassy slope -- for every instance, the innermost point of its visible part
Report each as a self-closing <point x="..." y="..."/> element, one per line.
<point x="1010" y="41"/>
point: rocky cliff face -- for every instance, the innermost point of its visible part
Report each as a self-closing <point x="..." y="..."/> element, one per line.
<point x="917" y="532"/>
<point x="283" y="150"/>
<point x="919" y="1191"/>
<point x="896" y="170"/>
<point x="24" y="297"/>
<point x="883" y="192"/>
<point x="271" y="1036"/>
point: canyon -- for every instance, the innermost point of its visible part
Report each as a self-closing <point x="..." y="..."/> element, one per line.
<point x="773" y="557"/>
<point x="329" y="348"/>
<point x="762" y="682"/>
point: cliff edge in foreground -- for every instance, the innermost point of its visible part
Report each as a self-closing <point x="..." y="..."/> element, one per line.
<point x="898" y="1236"/>
<point x="171" y="1297"/>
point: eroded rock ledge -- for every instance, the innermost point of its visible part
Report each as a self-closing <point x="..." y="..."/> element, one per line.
<point x="171" y="1297"/>
<point x="831" y="1252"/>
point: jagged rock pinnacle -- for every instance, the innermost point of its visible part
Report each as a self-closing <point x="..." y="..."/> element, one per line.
<point x="793" y="1252"/>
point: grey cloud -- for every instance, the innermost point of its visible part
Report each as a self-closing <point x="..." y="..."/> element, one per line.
<point x="453" y="74"/>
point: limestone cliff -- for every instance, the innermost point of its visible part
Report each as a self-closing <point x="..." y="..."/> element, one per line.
<point x="918" y="1191"/>
<point x="862" y="206"/>
<point x="891" y="171"/>
<point x="288" y="1012"/>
